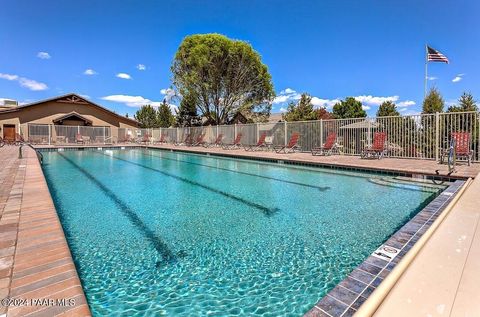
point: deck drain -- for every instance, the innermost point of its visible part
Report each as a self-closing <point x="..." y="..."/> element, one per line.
<point x="386" y="252"/>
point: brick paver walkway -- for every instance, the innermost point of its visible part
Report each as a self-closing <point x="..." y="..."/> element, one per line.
<point x="37" y="274"/>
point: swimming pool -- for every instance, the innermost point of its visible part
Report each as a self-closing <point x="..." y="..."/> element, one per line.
<point x="157" y="232"/>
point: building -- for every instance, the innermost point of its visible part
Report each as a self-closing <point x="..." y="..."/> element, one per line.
<point x="61" y="119"/>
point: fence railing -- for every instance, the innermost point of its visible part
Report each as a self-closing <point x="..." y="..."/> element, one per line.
<point x="416" y="136"/>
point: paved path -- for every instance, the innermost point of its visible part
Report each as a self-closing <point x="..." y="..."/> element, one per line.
<point x="35" y="261"/>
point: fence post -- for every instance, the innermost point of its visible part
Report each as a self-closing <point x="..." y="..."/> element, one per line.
<point x="437" y="134"/>
<point x="49" y="134"/>
<point x="234" y="131"/>
<point x="216" y="133"/>
<point x="103" y="134"/>
<point x="258" y="130"/>
<point x="176" y="136"/>
<point x="321" y="133"/>
<point x="285" y="133"/>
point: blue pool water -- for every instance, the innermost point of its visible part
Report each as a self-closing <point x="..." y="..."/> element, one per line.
<point x="164" y="233"/>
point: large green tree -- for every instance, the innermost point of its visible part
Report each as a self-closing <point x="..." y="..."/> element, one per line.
<point x="433" y="102"/>
<point x="348" y="108"/>
<point x="224" y="76"/>
<point x="147" y="117"/>
<point x="165" y="117"/>
<point x="465" y="103"/>
<point x="300" y="111"/>
<point x="387" y="109"/>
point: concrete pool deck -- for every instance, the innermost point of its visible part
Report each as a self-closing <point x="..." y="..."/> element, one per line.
<point x="33" y="226"/>
<point x="35" y="261"/>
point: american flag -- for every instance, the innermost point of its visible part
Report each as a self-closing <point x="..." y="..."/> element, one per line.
<point x="435" y="56"/>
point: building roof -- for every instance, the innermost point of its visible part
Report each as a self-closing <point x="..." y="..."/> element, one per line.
<point x="71" y="115"/>
<point x="69" y="98"/>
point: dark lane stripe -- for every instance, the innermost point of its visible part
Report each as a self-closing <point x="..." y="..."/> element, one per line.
<point x="321" y="188"/>
<point x="158" y="244"/>
<point x="267" y="211"/>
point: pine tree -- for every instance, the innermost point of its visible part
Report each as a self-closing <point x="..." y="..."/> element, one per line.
<point x="465" y="103"/>
<point x="301" y="111"/>
<point x="387" y="109"/>
<point x="147" y="117"/>
<point x="165" y="117"/>
<point x="187" y="115"/>
<point x="433" y="102"/>
<point x="349" y="108"/>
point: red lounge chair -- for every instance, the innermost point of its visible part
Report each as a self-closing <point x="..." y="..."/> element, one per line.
<point x="187" y="140"/>
<point x="216" y="143"/>
<point x="199" y="140"/>
<point x="163" y="139"/>
<point x="462" y="142"/>
<point x="260" y="144"/>
<point x="292" y="145"/>
<point x="378" y="148"/>
<point x="79" y="139"/>
<point x="235" y="145"/>
<point x="328" y="147"/>
<point x="145" y="138"/>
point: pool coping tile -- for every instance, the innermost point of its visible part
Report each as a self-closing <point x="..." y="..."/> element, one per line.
<point x="373" y="270"/>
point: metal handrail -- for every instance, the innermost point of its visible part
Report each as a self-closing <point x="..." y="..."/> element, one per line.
<point x="39" y="154"/>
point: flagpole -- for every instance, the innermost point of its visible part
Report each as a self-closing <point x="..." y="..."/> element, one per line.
<point x="426" y="72"/>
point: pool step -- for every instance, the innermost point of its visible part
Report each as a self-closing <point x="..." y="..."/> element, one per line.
<point x="436" y="183"/>
<point x="390" y="182"/>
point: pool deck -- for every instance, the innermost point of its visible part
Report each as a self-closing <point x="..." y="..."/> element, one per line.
<point x="35" y="261"/>
<point x="395" y="165"/>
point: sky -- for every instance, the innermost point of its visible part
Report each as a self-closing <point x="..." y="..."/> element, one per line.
<point x="118" y="53"/>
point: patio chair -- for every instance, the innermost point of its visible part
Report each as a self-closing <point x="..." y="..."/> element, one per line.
<point x="79" y="139"/>
<point x="328" y="147"/>
<point x="145" y="138"/>
<point x="2" y="142"/>
<point x="378" y="148"/>
<point x="462" y="141"/>
<point x="199" y="140"/>
<point x="261" y="144"/>
<point x="235" y="145"/>
<point x="216" y="143"/>
<point x="292" y="145"/>
<point x="163" y="139"/>
<point x="187" y="140"/>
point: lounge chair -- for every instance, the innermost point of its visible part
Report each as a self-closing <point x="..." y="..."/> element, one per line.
<point x="199" y="140"/>
<point x="216" y="143"/>
<point x="18" y="139"/>
<point x="2" y="142"/>
<point x="462" y="147"/>
<point x="235" y="145"/>
<point x="187" y="140"/>
<point x="145" y="139"/>
<point x="378" y="148"/>
<point x="292" y="145"/>
<point x="163" y="139"/>
<point x="79" y="139"/>
<point x="260" y="144"/>
<point x="328" y="147"/>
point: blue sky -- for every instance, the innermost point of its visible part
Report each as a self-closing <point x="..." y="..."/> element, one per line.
<point x="373" y="50"/>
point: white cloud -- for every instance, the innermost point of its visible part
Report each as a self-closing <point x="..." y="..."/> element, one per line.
<point x="432" y="78"/>
<point x="124" y="76"/>
<point x="406" y="103"/>
<point x="89" y="72"/>
<point x="282" y="109"/>
<point x="32" y="84"/>
<point x="43" y="55"/>
<point x="375" y="101"/>
<point x="141" y="67"/>
<point x="25" y="82"/>
<point x="85" y="96"/>
<point x="287" y="91"/>
<point x="366" y="107"/>
<point x="136" y="101"/>
<point x="457" y="78"/>
<point x="169" y="93"/>
<point x="327" y="103"/>
<point x="286" y="95"/>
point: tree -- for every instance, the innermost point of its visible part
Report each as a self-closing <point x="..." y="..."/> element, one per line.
<point x="126" y="115"/>
<point x="387" y="109"/>
<point x="322" y="113"/>
<point x="348" y="108"/>
<point x="466" y="103"/>
<point x="165" y="117"/>
<point x="301" y="111"/>
<point x="224" y="76"/>
<point x="433" y="102"/>
<point x="187" y="115"/>
<point x="147" y="117"/>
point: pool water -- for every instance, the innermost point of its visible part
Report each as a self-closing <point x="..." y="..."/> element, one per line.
<point x="166" y="233"/>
